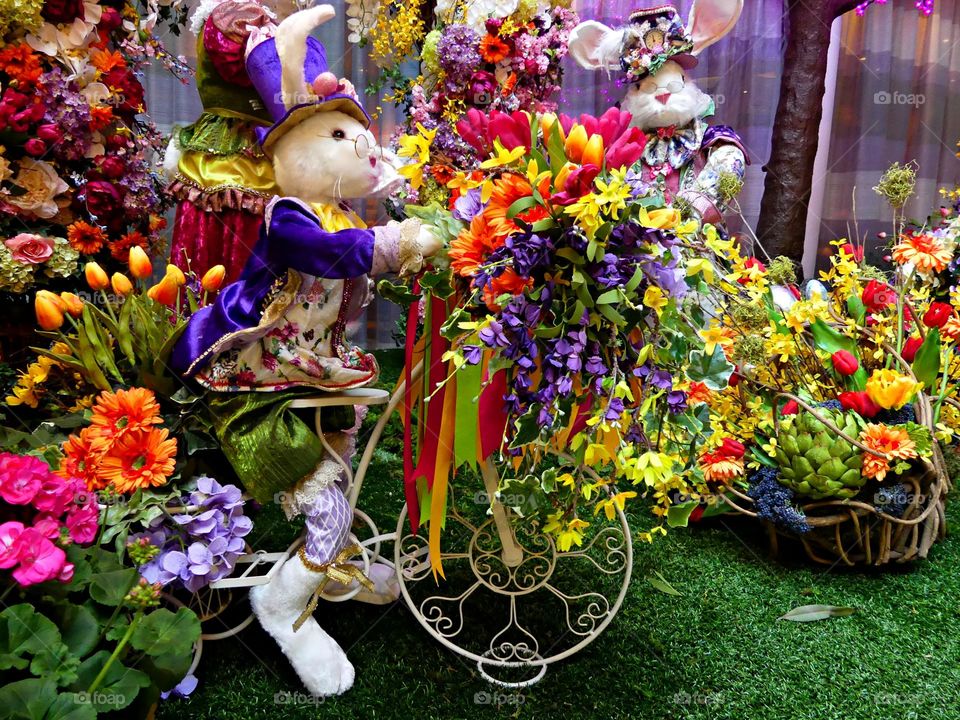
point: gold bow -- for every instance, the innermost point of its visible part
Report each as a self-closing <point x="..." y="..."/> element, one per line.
<point x="340" y="570"/>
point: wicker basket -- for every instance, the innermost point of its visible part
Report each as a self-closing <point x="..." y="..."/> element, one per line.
<point x="855" y="533"/>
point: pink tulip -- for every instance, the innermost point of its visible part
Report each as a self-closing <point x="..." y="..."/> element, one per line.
<point x="626" y="150"/>
<point x="473" y="130"/>
<point x="512" y="130"/>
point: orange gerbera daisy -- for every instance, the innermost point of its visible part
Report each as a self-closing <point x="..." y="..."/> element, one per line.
<point x="120" y="250"/>
<point x="952" y="328"/>
<point x="105" y="61"/>
<point x="100" y="117"/>
<point x="719" y="467"/>
<point x="926" y="252"/>
<point x="506" y="191"/>
<point x="85" y="238"/>
<point x="698" y="393"/>
<point x="81" y="457"/>
<point x="139" y="459"/>
<point x="21" y="63"/>
<point x="124" y="411"/>
<point x="894" y="442"/>
<point x="494" y="49"/>
<point x="507" y="282"/>
<point x="469" y="249"/>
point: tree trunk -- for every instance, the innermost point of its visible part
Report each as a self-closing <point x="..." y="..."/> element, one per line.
<point x="796" y="129"/>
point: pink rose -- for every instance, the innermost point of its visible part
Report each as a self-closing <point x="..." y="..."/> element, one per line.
<point x="83" y="523"/>
<point x="21" y="477"/>
<point x="30" y="249"/>
<point x="40" y="560"/>
<point x="9" y="532"/>
<point x="54" y="495"/>
<point x="48" y="526"/>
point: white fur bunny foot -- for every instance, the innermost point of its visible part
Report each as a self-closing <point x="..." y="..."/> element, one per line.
<point x="322" y="665"/>
<point x="386" y="587"/>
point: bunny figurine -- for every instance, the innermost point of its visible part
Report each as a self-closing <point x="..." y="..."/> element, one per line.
<point x="684" y="155"/>
<point x="280" y="328"/>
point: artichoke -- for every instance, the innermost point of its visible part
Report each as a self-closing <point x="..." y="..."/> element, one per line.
<point x="817" y="463"/>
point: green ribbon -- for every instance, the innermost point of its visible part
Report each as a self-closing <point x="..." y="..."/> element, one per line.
<point x="469" y="379"/>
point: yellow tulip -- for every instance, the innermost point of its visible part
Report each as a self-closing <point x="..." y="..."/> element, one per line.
<point x="562" y="176"/>
<point x="576" y="142"/>
<point x="177" y="274"/>
<point x="165" y="292"/>
<point x="593" y="152"/>
<point x="49" y="310"/>
<point x="891" y="390"/>
<point x="660" y="219"/>
<point x="96" y="278"/>
<point x="140" y="265"/>
<point x="72" y="303"/>
<point x="547" y="121"/>
<point x="121" y="284"/>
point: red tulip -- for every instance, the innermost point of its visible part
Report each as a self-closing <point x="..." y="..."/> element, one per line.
<point x="856" y="252"/>
<point x="845" y="362"/>
<point x="749" y="264"/>
<point x="910" y="348"/>
<point x="731" y="448"/>
<point x="791" y="407"/>
<point x="937" y="315"/>
<point x="859" y="402"/>
<point x="877" y="295"/>
<point x="473" y="129"/>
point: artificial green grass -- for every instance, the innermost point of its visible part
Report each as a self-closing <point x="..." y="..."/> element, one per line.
<point x="717" y="651"/>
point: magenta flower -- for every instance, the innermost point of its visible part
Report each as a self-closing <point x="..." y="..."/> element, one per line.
<point x="83" y="522"/>
<point x="48" y="526"/>
<point x="9" y="532"/>
<point x="21" y="477"/>
<point x="40" y="560"/>
<point x="54" y="495"/>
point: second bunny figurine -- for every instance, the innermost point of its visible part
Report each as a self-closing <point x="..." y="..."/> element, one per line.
<point x="280" y="329"/>
<point x="684" y="154"/>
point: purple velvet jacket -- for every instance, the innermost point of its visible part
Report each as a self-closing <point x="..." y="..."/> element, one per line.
<point x="292" y="240"/>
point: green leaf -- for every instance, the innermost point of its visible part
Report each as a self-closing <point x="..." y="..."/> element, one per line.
<point x="396" y="293"/>
<point x="610" y="296"/>
<point x="812" y="613"/>
<point x="926" y="365"/>
<point x="27" y="699"/>
<point x="118" y="688"/>
<point x="610" y="314"/>
<point x="24" y="631"/>
<point x="714" y="371"/>
<point x="679" y="515"/>
<point x="830" y="340"/>
<point x="79" y="628"/>
<point x="660" y="583"/>
<point x="109" y="588"/>
<point x="521" y="205"/>
<point x="558" y="156"/>
<point x="162" y="632"/>
<point x="70" y="706"/>
<point x="856" y="309"/>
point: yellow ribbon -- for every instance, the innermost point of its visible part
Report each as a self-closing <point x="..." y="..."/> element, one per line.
<point x="341" y="570"/>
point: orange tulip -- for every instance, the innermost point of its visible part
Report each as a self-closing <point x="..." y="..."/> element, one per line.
<point x="96" y="278"/>
<point x="49" y="309"/>
<point x="213" y="278"/>
<point x="165" y="292"/>
<point x="140" y="265"/>
<point x="561" y="179"/>
<point x="177" y="274"/>
<point x="72" y="304"/>
<point x="121" y="284"/>
<point x="576" y="142"/>
<point x="593" y="152"/>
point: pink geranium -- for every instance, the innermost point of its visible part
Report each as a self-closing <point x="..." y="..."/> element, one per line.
<point x="48" y="526"/>
<point x="9" y="532"/>
<point x="39" y="559"/>
<point x="54" y="495"/>
<point x="21" y="477"/>
<point x="83" y="523"/>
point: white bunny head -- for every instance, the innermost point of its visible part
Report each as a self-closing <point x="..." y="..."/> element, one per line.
<point x="656" y="58"/>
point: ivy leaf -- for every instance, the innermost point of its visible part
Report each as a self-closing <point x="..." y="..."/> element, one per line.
<point x="714" y="371"/>
<point x="396" y="293"/>
<point x="163" y="632"/>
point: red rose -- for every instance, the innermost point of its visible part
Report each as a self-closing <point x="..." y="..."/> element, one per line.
<point x="731" y="448"/>
<point x="877" y="296"/>
<point x="910" y="348"/>
<point x="104" y="200"/>
<point x="937" y="315"/>
<point x="62" y="11"/>
<point x="127" y="88"/>
<point x="844" y="362"/>
<point x="859" y="402"/>
<point x="110" y="20"/>
<point x="111" y="166"/>
<point x="791" y="407"/>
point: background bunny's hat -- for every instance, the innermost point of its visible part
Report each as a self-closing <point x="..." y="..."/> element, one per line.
<point x="653" y="36"/>
<point x="278" y="68"/>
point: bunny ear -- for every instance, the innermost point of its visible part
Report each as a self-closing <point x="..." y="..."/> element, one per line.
<point x="291" y="39"/>
<point x="710" y="20"/>
<point x="595" y="46"/>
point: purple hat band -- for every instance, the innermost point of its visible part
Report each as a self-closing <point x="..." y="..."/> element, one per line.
<point x="265" y="72"/>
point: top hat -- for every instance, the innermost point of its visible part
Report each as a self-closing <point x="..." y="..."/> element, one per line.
<point x="265" y="71"/>
<point x="654" y="36"/>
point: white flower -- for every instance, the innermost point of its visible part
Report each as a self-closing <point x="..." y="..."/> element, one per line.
<point x="41" y="185"/>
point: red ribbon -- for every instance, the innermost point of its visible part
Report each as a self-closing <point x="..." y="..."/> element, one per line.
<point x="410" y="485"/>
<point x="493" y="414"/>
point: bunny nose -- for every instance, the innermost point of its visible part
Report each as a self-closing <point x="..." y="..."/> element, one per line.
<point x="373" y="161"/>
<point x="663" y="97"/>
